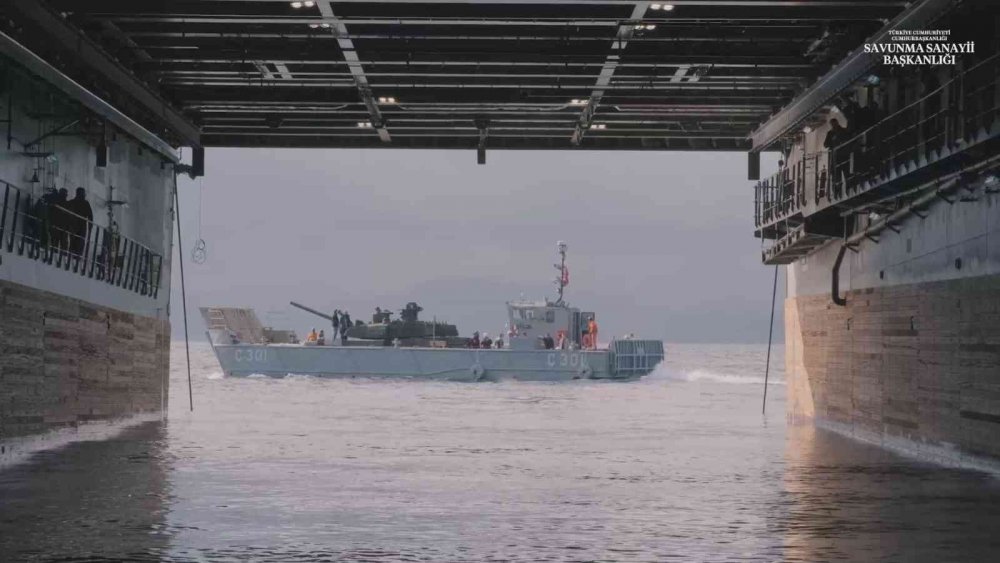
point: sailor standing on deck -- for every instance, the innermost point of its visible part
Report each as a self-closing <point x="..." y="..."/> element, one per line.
<point x="345" y="323"/>
<point x="592" y="332"/>
<point x="335" y="319"/>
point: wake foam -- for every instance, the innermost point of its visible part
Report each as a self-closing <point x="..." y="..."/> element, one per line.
<point x="297" y="377"/>
<point x="665" y="372"/>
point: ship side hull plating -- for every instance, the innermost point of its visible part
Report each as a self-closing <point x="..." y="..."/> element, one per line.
<point x="912" y="361"/>
<point x="84" y="325"/>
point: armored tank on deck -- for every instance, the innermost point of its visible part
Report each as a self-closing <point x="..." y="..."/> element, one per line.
<point x="408" y="326"/>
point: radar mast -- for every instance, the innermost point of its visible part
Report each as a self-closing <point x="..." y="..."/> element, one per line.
<point x="563" y="280"/>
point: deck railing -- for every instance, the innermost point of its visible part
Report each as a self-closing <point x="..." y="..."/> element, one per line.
<point x="784" y="193"/>
<point x="947" y="119"/>
<point x="635" y="357"/>
<point x="35" y="228"/>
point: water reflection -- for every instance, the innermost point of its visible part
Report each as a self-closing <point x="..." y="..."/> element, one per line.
<point x="89" y="500"/>
<point x="676" y="466"/>
<point x="848" y="501"/>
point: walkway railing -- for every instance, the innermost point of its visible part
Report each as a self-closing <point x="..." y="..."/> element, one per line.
<point x="784" y="193"/>
<point x="34" y="228"/>
<point x="948" y="119"/>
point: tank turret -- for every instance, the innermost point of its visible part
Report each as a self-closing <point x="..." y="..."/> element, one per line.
<point x="410" y="312"/>
<point x="408" y="326"/>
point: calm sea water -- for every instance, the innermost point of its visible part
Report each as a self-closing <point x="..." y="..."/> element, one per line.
<point x="680" y="465"/>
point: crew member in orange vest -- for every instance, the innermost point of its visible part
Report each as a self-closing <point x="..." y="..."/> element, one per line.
<point x="592" y="332"/>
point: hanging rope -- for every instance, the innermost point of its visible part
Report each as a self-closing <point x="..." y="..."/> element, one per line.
<point x="200" y="252"/>
<point x="770" y="334"/>
<point x="180" y="256"/>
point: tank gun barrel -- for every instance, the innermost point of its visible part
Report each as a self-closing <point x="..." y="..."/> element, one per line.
<point x="309" y="310"/>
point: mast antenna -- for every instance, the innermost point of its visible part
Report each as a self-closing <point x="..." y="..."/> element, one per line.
<point x="563" y="279"/>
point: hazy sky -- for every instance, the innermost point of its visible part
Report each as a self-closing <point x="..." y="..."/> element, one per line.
<point x="660" y="244"/>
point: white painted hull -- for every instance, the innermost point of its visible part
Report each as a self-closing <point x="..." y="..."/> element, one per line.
<point x="447" y="364"/>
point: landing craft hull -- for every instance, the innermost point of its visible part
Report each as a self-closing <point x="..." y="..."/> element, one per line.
<point x="451" y="364"/>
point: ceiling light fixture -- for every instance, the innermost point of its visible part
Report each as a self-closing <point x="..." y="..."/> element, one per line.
<point x="668" y="7"/>
<point x="309" y="4"/>
<point x="325" y="25"/>
<point x="365" y="124"/>
<point x="655" y="6"/>
<point x="807" y="129"/>
<point x="598" y="126"/>
<point x="296" y="5"/>
<point x="650" y="27"/>
<point x="314" y="25"/>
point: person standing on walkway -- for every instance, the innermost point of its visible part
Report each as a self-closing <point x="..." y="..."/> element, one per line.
<point x="82" y="217"/>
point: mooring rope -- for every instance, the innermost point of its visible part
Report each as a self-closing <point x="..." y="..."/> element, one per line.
<point x="770" y="334"/>
<point x="180" y="254"/>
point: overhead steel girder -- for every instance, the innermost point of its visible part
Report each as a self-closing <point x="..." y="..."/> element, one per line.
<point x="517" y="142"/>
<point x="717" y="61"/>
<point x="207" y="37"/>
<point x="625" y="33"/>
<point x="842" y="76"/>
<point x="339" y="30"/>
<point x="763" y="3"/>
<point x="97" y="61"/>
<point x="305" y="20"/>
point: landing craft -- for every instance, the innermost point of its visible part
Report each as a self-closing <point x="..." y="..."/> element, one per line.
<point x="545" y="341"/>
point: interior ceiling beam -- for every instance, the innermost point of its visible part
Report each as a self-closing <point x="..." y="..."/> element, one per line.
<point x="717" y="62"/>
<point x="264" y="73"/>
<point x="97" y="61"/>
<point x="339" y="31"/>
<point x="305" y="20"/>
<point x="625" y="32"/>
<point x="555" y="85"/>
<point x="470" y="142"/>
<point x="761" y="21"/>
<point x="668" y="75"/>
<point x="766" y="3"/>
<point x="158" y="38"/>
